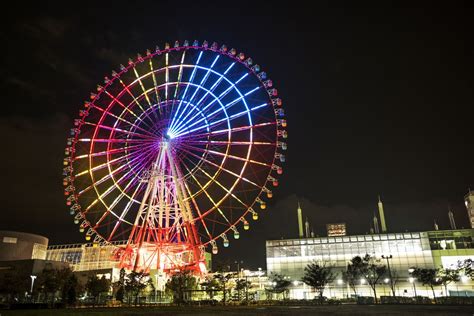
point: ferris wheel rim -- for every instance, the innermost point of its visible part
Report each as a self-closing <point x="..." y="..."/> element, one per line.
<point x="176" y="127"/>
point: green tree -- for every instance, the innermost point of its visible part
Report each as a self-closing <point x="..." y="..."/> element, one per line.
<point x="242" y="286"/>
<point x="428" y="277"/>
<point x="95" y="286"/>
<point x="352" y="274"/>
<point x="14" y="284"/>
<point x="120" y="293"/>
<point x="372" y="271"/>
<point x="70" y="290"/>
<point x="136" y="283"/>
<point x="318" y="276"/>
<point x="466" y="267"/>
<point x="279" y="284"/>
<point x="447" y="276"/>
<point x="179" y="284"/>
<point x="49" y="284"/>
<point x="211" y="285"/>
<point x="223" y="280"/>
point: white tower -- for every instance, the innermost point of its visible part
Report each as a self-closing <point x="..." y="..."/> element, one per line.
<point x="376" y="225"/>
<point x="306" y="226"/>
<point x="382" y="216"/>
<point x="300" y="221"/>
<point x="469" y="202"/>
<point x="452" y="223"/>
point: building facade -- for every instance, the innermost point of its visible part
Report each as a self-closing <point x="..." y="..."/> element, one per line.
<point x="432" y="249"/>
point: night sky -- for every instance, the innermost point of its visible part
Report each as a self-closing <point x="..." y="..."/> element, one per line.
<point x="379" y="100"/>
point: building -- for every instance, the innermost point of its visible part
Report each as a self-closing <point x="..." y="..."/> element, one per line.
<point x="338" y="229"/>
<point x="432" y="249"/>
<point x="23" y="256"/>
<point x="22" y="246"/>
<point x="88" y="258"/>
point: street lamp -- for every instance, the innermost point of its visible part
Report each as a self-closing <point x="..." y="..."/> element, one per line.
<point x="389" y="272"/>
<point x="412" y="281"/>
<point x="238" y="266"/>
<point x="156" y="285"/>
<point x="33" y="278"/>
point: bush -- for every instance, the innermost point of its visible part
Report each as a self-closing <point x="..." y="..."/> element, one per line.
<point x="365" y="300"/>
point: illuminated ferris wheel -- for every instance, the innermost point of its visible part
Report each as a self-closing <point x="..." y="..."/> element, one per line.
<point x="175" y="153"/>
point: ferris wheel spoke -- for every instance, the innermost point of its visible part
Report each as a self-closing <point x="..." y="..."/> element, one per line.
<point x="125" y="108"/>
<point x="127" y="89"/>
<point x="125" y="211"/>
<point x="115" y="129"/>
<point x="167" y="77"/>
<point x="155" y="87"/>
<point x="226" y="131"/>
<point x="180" y="75"/>
<point x="229" y="192"/>
<point x="114" y="203"/>
<point x="215" y="206"/>
<point x="123" y="120"/>
<point x="228" y="119"/>
<point x="107" y="152"/>
<point x="115" y="140"/>
<point x="198" y="210"/>
<point x="223" y="107"/>
<point x="191" y="79"/>
<point x="218" y="81"/>
<point x="219" y="142"/>
<point x="223" y="169"/>
<point x="141" y="86"/>
<point x="109" y="175"/>
<point x="203" y="82"/>
<point x="217" y="153"/>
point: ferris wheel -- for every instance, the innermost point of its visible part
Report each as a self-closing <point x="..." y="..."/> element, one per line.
<point x="175" y="153"/>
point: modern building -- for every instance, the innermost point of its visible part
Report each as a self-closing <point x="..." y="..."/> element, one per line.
<point x="23" y="257"/>
<point x="22" y="246"/>
<point x="431" y="249"/>
<point x="88" y="258"/>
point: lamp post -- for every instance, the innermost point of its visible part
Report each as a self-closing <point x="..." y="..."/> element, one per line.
<point x="156" y="285"/>
<point x="389" y="272"/>
<point x="238" y="267"/>
<point x="33" y="278"/>
<point x="412" y="281"/>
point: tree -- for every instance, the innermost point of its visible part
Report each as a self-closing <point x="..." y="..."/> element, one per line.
<point x="70" y="289"/>
<point x="14" y="284"/>
<point x="136" y="282"/>
<point x="447" y="276"/>
<point x="211" y="286"/>
<point x="120" y="293"/>
<point x="318" y="276"/>
<point x="48" y="284"/>
<point x="96" y="286"/>
<point x="179" y="284"/>
<point x="279" y="284"/>
<point x="242" y="285"/>
<point x="353" y="273"/>
<point x="68" y="285"/>
<point x="466" y="267"/>
<point x="372" y="271"/>
<point x="428" y="277"/>
<point x="223" y="279"/>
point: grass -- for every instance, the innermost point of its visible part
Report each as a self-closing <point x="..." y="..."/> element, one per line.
<point x="352" y="310"/>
